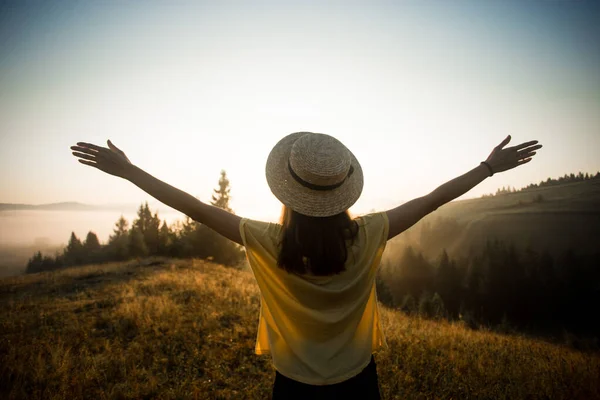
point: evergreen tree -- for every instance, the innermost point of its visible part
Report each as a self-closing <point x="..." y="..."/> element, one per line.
<point x="118" y="242"/>
<point x="164" y="240"/>
<point x="383" y="291"/>
<point x="34" y="264"/>
<point x="186" y="243"/>
<point x="438" y="308"/>
<point x="413" y="275"/>
<point x="447" y="284"/>
<point x="221" y="197"/>
<point x="148" y="225"/>
<point x="409" y="305"/>
<point x="425" y="305"/>
<point x="74" y="252"/>
<point x="210" y="244"/>
<point x="137" y="246"/>
<point x="92" y="248"/>
<point x="37" y="263"/>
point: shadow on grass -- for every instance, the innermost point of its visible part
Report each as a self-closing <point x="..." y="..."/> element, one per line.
<point x="83" y="282"/>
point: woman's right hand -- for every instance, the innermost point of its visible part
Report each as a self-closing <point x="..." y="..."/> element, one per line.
<point x="503" y="159"/>
<point x="111" y="160"/>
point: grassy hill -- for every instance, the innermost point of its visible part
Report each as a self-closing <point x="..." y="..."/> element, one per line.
<point x="181" y="329"/>
<point x="552" y="218"/>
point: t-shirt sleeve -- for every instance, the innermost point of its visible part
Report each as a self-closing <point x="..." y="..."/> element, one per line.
<point x="375" y="230"/>
<point x="260" y="236"/>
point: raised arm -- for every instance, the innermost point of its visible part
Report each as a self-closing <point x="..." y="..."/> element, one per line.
<point x="500" y="159"/>
<point x="114" y="162"/>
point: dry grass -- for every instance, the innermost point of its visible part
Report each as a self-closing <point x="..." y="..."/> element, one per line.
<point x="186" y="329"/>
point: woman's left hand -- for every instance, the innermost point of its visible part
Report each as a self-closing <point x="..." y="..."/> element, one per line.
<point x="111" y="160"/>
<point x="503" y="159"/>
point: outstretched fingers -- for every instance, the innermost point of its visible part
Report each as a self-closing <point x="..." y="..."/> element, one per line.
<point x="86" y="150"/>
<point x="526" y="155"/>
<point x="525" y="145"/>
<point x="85" y="156"/>
<point x="91" y="164"/>
<point x="528" y="151"/>
<point x="91" y="146"/>
<point x="525" y="161"/>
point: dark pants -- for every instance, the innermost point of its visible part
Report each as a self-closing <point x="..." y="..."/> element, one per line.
<point x="362" y="386"/>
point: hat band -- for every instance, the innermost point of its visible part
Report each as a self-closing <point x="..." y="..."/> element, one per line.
<point x="312" y="186"/>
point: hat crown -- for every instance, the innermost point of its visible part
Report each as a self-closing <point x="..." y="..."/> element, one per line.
<point x="320" y="159"/>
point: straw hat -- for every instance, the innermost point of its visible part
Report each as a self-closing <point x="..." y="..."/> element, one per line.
<point x="314" y="174"/>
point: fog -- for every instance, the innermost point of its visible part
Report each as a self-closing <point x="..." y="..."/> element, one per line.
<point x="50" y="228"/>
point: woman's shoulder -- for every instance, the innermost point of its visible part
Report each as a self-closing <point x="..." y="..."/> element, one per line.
<point x="259" y="229"/>
<point x="374" y="226"/>
<point x="372" y="218"/>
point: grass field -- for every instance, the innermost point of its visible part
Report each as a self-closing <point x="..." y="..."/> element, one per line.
<point x="184" y="329"/>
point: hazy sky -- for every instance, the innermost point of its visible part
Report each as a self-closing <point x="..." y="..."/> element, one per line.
<point x="420" y="91"/>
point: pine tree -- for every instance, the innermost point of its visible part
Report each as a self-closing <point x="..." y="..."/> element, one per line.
<point x="448" y="284"/>
<point x="415" y="274"/>
<point x="148" y="225"/>
<point x="426" y="305"/>
<point x="118" y="242"/>
<point x="164" y="239"/>
<point x="211" y="244"/>
<point x="438" y="308"/>
<point x="34" y="264"/>
<point x="37" y="263"/>
<point x="187" y="243"/>
<point x="92" y="248"/>
<point x="137" y="246"/>
<point x="383" y="291"/>
<point x="74" y="252"/>
<point x="221" y="197"/>
<point x="409" y="305"/>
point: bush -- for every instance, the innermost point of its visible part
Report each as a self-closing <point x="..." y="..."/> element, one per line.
<point x="468" y="320"/>
<point x="425" y="305"/>
<point x="437" y="307"/>
<point x="384" y="295"/>
<point x="39" y="263"/>
<point x="409" y="305"/>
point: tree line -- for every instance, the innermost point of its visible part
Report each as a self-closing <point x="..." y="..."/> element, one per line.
<point x="567" y="178"/>
<point x="147" y="236"/>
<point x="499" y="287"/>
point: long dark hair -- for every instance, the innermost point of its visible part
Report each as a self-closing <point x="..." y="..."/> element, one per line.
<point x="315" y="245"/>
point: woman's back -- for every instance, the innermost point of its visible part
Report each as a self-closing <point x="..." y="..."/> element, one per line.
<point x="319" y="329"/>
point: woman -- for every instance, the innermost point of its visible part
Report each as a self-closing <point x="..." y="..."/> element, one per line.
<point x="316" y="270"/>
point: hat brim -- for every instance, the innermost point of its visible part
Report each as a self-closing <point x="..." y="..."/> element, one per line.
<point x="316" y="203"/>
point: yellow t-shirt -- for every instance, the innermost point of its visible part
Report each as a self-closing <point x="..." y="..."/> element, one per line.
<point x="318" y="330"/>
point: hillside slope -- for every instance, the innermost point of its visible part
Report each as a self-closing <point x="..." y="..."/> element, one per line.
<point x="186" y="329"/>
<point x="550" y="218"/>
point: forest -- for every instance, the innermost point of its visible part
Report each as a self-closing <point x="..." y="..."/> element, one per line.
<point x="567" y="178"/>
<point x="147" y="236"/>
